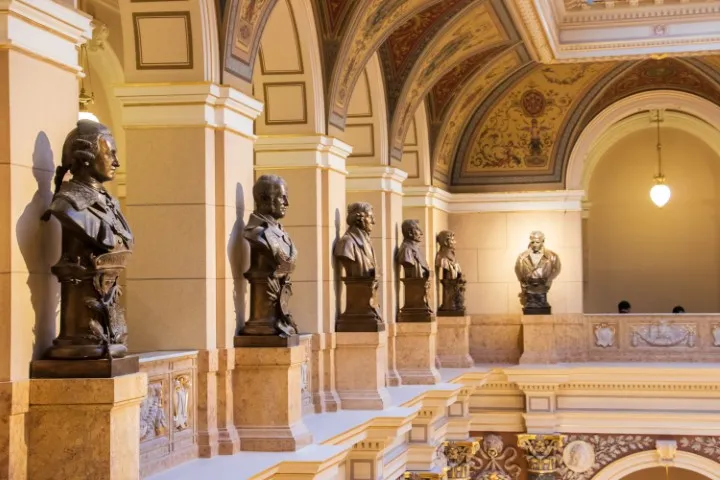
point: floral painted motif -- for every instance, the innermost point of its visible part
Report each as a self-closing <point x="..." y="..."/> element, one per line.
<point x="608" y="448"/>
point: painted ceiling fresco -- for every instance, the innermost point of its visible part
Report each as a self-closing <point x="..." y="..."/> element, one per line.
<point x="245" y="20"/>
<point x="523" y="132"/>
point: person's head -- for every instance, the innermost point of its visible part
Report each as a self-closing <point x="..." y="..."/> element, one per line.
<point x="411" y="230"/>
<point x="678" y="309"/>
<point x="624" y="307"/>
<point x="446" y="239"/>
<point x="270" y="195"/>
<point x="89" y="152"/>
<point x="360" y="215"/>
<point x="537" y="241"/>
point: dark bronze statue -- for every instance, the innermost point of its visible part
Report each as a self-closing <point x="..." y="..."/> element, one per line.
<point x="536" y="268"/>
<point x="96" y="245"/>
<point x="416" y="278"/>
<point x="450" y="276"/>
<point x="355" y="253"/>
<point x="272" y="261"/>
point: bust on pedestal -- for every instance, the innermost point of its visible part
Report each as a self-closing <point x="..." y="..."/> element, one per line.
<point x="536" y="268"/>
<point x="417" y="275"/>
<point x="272" y="261"/>
<point x="355" y="253"/>
<point x="449" y="274"/>
<point x="96" y="245"/>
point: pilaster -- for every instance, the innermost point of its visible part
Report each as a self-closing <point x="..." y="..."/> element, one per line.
<point x="426" y="452"/>
<point x="542" y="453"/>
<point x="314" y="169"/>
<point x="38" y="107"/>
<point x="189" y="150"/>
<point x="382" y="187"/>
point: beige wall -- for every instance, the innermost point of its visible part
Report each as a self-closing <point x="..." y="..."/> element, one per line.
<point x="659" y="473"/>
<point x="488" y="245"/>
<point x="654" y="258"/>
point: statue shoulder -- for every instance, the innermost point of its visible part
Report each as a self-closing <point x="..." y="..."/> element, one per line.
<point x="78" y="196"/>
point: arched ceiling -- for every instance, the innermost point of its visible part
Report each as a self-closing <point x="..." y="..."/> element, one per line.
<point x="498" y="118"/>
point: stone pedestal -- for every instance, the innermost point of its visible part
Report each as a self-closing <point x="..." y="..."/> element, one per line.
<point x="85" y="428"/>
<point x="268" y="399"/>
<point x="453" y="342"/>
<point x="416" y="308"/>
<point x="416" y="348"/>
<point x="360" y="369"/>
<point x="538" y="333"/>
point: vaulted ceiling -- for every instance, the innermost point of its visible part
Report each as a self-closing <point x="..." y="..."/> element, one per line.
<point x="507" y="84"/>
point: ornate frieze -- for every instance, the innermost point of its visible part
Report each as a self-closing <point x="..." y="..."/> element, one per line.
<point x="181" y="402"/>
<point x="664" y="333"/>
<point x="494" y="459"/>
<point x="458" y="455"/>
<point x="153" y="415"/>
<point x="605" y="450"/>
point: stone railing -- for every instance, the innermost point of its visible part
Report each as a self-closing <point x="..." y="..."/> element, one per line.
<point x="168" y="431"/>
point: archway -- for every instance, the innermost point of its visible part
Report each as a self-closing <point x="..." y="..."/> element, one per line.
<point x="620" y="469"/>
<point x="672" y="473"/>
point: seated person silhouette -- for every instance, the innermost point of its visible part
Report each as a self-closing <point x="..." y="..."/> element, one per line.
<point x="624" y="307"/>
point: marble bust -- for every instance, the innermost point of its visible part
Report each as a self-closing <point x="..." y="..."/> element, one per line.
<point x="449" y="275"/>
<point x="272" y="261"/>
<point x="536" y="268"/>
<point x="96" y="245"/>
<point x="354" y="249"/>
<point x="409" y="255"/>
<point x="355" y="253"/>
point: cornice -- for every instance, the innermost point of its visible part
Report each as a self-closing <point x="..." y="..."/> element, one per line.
<point x="433" y="197"/>
<point x="375" y="178"/>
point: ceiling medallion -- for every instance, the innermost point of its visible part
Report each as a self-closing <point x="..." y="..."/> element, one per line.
<point x="533" y="103"/>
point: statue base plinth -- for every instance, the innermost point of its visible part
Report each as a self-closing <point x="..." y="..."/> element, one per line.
<point x="359" y="323"/>
<point x="537" y="310"/>
<point x="267" y="386"/>
<point x="415" y="315"/>
<point x="84" y="368"/>
<point x="415" y="351"/>
<point x="416" y="308"/>
<point x="85" y="428"/>
<point x="266" y="341"/>
<point x="360" y="369"/>
<point x="450" y="313"/>
<point x="453" y="342"/>
<point x="361" y="313"/>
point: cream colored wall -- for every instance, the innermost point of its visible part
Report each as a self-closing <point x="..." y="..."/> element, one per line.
<point x="659" y="474"/>
<point x="654" y="258"/>
<point x="488" y="245"/>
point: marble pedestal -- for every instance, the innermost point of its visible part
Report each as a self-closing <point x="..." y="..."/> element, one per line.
<point x="416" y="348"/>
<point x="539" y="345"/>
<point x="453" y="342"/>
<point x="361" y="367"/>
<point x="85" y="428"/>
<point x="267" y="389"/>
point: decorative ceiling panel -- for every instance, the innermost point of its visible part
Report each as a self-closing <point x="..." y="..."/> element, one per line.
<point x="246" y="22"/>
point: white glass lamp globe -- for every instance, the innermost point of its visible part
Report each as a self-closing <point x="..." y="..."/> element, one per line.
<point x="87" y="116"/>
<point x="660" y="194"/>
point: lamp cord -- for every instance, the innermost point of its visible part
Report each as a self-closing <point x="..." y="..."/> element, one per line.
<point x="659" y="146"/>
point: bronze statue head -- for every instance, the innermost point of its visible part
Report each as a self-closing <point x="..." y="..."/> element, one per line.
<point x="271" y="196"/>
<point x="537" y="241"/>
<point x="89" y="153"/>
<point x="360" y="215"/>
<point x="446" y="239"/>
<point x="411" y="231"/>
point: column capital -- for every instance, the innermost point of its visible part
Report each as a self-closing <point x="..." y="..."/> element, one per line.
<point x="375" y="178"/>
<point x="542" y="452"/>
<point x="318" y="151"/>
<point x="427" y="196"/>
<point x="188" y="105"/>
<point x="44" y="29"/>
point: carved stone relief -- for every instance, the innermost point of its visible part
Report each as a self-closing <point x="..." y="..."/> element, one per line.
<point x="579" y="456"/>
<point x="604" y="335"/>
<point x="305" y="376"/>
<point x="495" y="460"/>
<point x="716" y="335"/>
<point x="153" y="419"/>
<point x="708" y="447"/>
<point x="606" y="448"/>
<point x="181" y="402"/>
<point x="664" y="333"/>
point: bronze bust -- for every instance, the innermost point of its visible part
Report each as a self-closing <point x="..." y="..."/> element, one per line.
<point x="417" y="275"/>
<point x="272" y="261"/>
<point x="96" y="245"/>
<point x="536" y="268"/>
<point x="356" y="255"/>
<point x="449" y="274"/>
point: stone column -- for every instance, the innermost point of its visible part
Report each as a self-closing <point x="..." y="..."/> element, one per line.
<point x="38" y="108"/>
<point x="85" y="428"/>
<point x="542" y="453"/>
<point x="313" y="167"/>
<point x="189" y="151"/>
<point x="459" y="454"/>
<point x="382" y="188"/>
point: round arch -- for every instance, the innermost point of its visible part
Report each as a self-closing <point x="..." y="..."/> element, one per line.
<point x="580" y="165"/>
<point x="644" y="460"/>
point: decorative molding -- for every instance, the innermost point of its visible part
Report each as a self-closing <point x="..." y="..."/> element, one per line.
<point x="183" y="16"/>
<point x="44" y="29"/>
<point x="307" y="151"/>
<point x="494" y="457"/>
<point x="371" y="179"/>
<point x="190" y="104"/>
<point x="607" y="449"/>
<point x="562" y="200"/>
